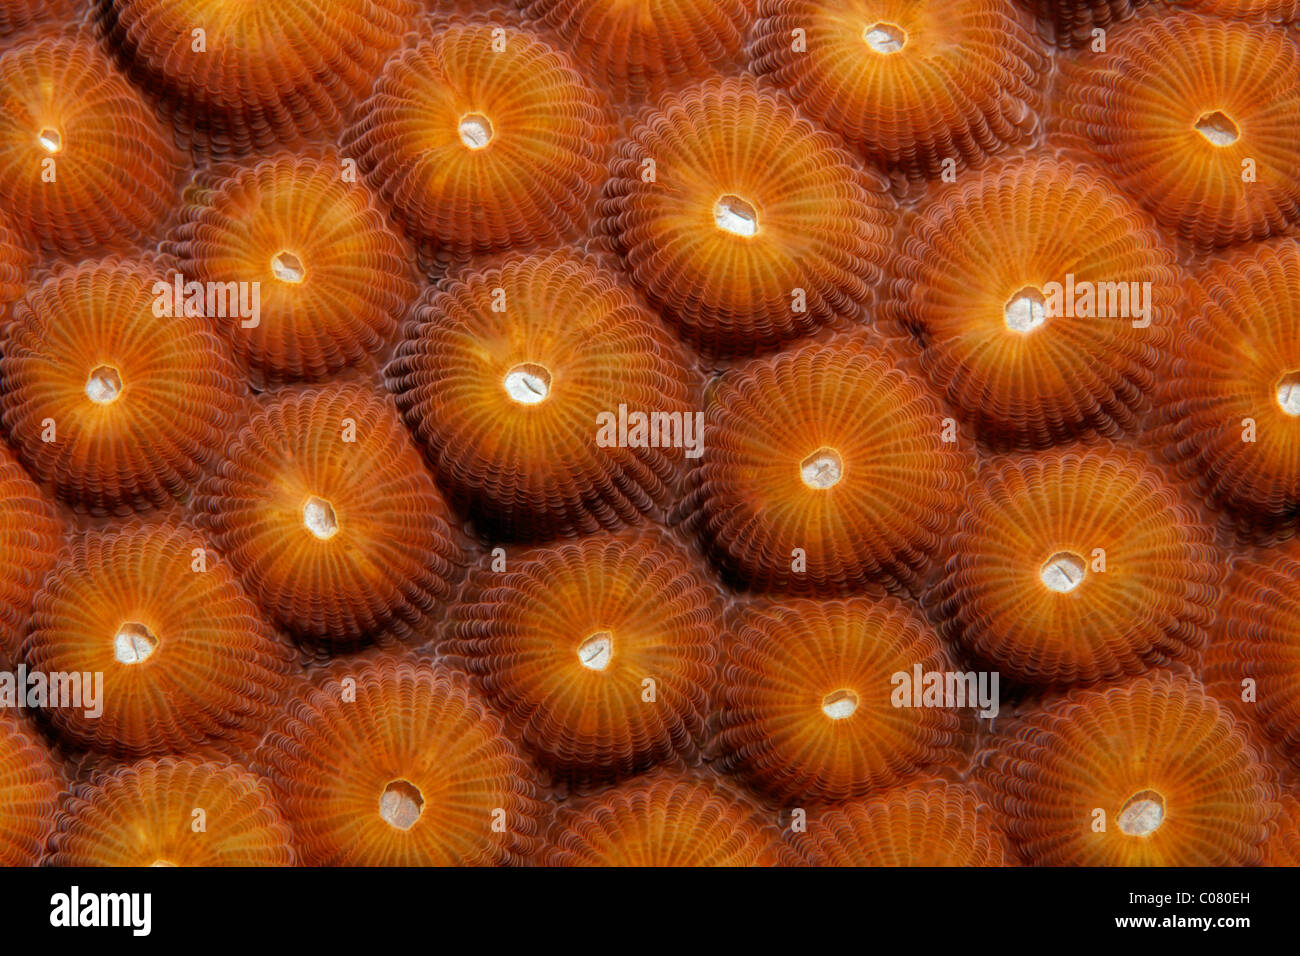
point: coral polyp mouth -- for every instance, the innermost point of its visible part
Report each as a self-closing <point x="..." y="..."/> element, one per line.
<point x="736" y="216"/>
<point x="1218" y="128"/>
<point x="528" y="383"/>
<point x="50" y="139"/>
<point x="597" y="651"/>
<point x="319" y="518"/>
<point x="104" y="386"/>
<point x="134" y="643"/>
<point x="1142" y="814"/>
<point x="840" y="704"/>
<point x="401" y="804"/>
<point x="1288" y="393"/>
<point x="288" y="268"/>
<point x="475" y="130"/>
<point x="1063" y="572"/>
<point x="822" y="469"/>
<point x="1026" y="310"/>
<point x="885" y="38"/>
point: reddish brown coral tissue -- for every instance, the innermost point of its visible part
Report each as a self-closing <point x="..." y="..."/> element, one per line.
<point x="649" y="433"/>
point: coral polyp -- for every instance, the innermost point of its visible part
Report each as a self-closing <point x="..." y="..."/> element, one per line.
<point x="919" y="86"/>
<point x="669" y="820"/>
<point x="481" y="140"/>
<point x="749" y="227"/>
<point x="1228" y="408"/>
<point x="325" y="510"/>
<point x="925" y="823"/>
<point x="1148" y="773"/>
<point x="1194" y="117"/>
<point x="172" y="812"/>
<point x="1041" y="302"/>
<point x="29" y="794"/>
<point x="31" y="533"/>
<point x="601" y="650"/>
<point x="240" y="77"/>
<point x="1077" y="566"/>
<point x="332" y="278"/>
<point x="638" y="51"/>
<point x="115" y="402"/>
<point x="1254" y="658"/>
<point x="825" y="468"/>
<point x="809" y="707"/>
<point x="511" y="405"/>
<point x="185" y="658"/>
<point x="84" y="164"/>
<point x="393" y="763"/>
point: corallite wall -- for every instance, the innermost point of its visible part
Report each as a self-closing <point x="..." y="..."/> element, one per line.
<point x="649" y="432"/>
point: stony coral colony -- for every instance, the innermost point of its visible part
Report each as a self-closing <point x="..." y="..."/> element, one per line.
<point x="551" y="432"/>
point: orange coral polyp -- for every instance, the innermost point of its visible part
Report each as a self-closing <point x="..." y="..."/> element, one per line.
<point x="1077" y="566"/>
<point x="31" y="533"/>
<point x="325" y="510"/>
<point x="408" y="768"/>
<point x="332" y="279"/>
<point x="808" y="710"/>
<point x="117" y="404"/>
<point x="638" y="51"/>
<point x="825" y="469"/>
<point x="243" y="77"/>
<point x="1256" y="638"/>
<point x="144" y="814"/>
<point x="530" y="182"/>
<point x="919" y="86"/>
<point x="925" y="823"/>
<point x="1225" y="410"/>
<point x="186" y="658"/>
<point x="509" y="403"/>
<point x="1144" y="110"/>
<point x="29" y="794"/>
<point x="565" y="640"/>
<point x="84" y="164"/>
<point x="665" y="819"/>
<point x="1121" y="756"/>
<point x="1019" y="288"/>
<point x="752" y="228"/>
